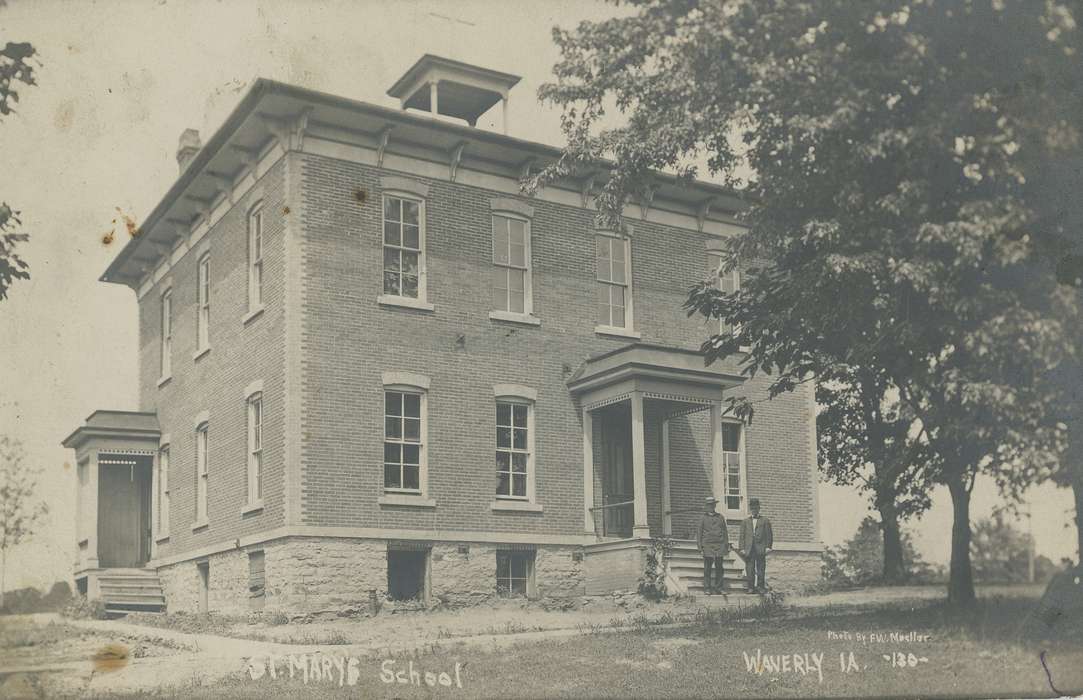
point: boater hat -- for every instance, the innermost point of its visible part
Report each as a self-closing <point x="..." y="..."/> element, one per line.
<point x="709" y="500"/>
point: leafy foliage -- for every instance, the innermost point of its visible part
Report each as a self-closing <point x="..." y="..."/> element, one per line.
<point x="859" y="561"/>
<point x="16" y="66"/>
<point x="652" y="585"/>
<point x="20" y="513"/>
<point x="1001" y="552"/>
<point x="909" y="168"/>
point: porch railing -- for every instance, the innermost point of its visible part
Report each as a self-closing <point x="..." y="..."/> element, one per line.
<point x="616" y="513"/>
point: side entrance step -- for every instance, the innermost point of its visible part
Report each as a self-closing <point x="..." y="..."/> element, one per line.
<point x="685" y="568"/>
<point x="131" y="590"/>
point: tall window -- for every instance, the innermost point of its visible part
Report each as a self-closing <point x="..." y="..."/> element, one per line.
<point x="511" y="258"/>
<point x="731" y="462"/>
<point x="512" y="449"/>
<point x="402" y="441"/>
<point x="513" y="570"/>
<point x="202" y="456"/>
<point x="167" y="333"/>
<point x="255" y="447"/>
<point x="203" y="302"/>
<point x="614" y="282"/>
<point x="163" y="490"/>
<point x="255" y="258"/>
<point x="403" y="247"/>
<point x="726" y="282"/>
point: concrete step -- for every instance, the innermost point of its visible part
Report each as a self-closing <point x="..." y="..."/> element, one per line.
<point x="131" y="589"/>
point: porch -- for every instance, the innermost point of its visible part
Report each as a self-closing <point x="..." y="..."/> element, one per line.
<point x="116" y="455"/>
<point x="655" y="446"/>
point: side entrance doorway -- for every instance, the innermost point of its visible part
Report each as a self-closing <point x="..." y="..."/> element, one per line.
<point x="124" y="505"/>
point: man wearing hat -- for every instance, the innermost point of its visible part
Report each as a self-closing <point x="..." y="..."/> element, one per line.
<point x="754" y="545"/>
<point x="713" y="542"/>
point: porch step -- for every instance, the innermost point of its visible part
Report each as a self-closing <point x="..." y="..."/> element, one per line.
<point x="125" y="590"/>
<point x="686" y="566"/>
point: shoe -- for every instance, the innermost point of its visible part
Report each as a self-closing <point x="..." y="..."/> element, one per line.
<point x="750" y="590"/>
<point x="708" y="591"/>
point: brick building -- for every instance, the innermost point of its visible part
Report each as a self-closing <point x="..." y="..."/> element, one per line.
<point x="369" y="365"/>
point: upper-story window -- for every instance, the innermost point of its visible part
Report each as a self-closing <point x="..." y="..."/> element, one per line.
<point x="404" y="247"/>
<point x="203" y="302"/>
<point x="202" y="459"/>
<point x="404" y="440"/>
<point x="255" y="258"/>
<point x="255" y="447"/>
<point x="511" y="261"/>
<point x="163" y="491"/>
<point x="614" y="281"/>
<point x="167" y="334"/>
<point x="725" y="281"/>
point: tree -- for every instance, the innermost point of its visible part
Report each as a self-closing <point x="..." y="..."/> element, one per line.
<point x="1000" y="552"/>
<point x="20" y="513"/>
<point x="866" y="438"/>
<point x="16" y="66"/>
<point x="859" y="562"/>
<point x="893" y="225"/>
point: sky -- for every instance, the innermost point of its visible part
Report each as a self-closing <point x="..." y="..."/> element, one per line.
<point x="120" y="80"/>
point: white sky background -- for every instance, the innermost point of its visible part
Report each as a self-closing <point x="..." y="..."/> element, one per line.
<point x="119" y="82"/>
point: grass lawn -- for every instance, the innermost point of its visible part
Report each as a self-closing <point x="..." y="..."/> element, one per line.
<point x="977" y="653"/>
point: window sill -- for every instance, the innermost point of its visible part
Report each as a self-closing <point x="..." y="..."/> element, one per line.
<point x="161" y="538"/>
<point x="405" y="499"/>
<point x="253" y="507"/>
<point x="253" y="314"/>
<point x="162" y="381"/>
<point x="200" y="524"/>
<point x="404" y="302"/>
<point x="620" y="332"/>
<point x="200" y="353"/>
<point x="512" y="317"/>
<point x="519" y="506"/>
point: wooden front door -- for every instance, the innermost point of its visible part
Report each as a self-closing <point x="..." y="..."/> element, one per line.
<point x="124" y="484"/>
<point x="617" y="474"/>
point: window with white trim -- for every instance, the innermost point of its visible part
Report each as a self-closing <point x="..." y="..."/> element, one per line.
<point x="167" y="333"/>
<point x="511" y="265"/>
<point x="614" y="281"/>
<point x="514" y="449"/>
<point x="203" y="302"/>
<point x="202" y="457"/>
<point x="514" y="570"/>
<point x="727" y="282"/>
<point x="404" y="247"/>
<point x="255" y="447"/>
<point x="163" y="490"/>
<point x="404" y="440"/>
<point x="732" y="448"/>
<point x="255" y="257"/>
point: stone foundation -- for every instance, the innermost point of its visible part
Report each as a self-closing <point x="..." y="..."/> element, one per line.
<point x="324" y="574"/>
<point x="791" y="572"/>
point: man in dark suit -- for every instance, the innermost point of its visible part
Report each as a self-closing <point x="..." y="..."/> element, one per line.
<point x="755" y="544"/>
<point x="713" y="542"/>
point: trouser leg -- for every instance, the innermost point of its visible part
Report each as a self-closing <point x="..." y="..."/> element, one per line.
<point x="750" y="570"/>
<point x="707" y="562"/>
<point x="761" y="570"/>
<point x="720" y="573"/>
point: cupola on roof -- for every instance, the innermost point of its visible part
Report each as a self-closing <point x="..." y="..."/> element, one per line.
<point x="453" y="88"/>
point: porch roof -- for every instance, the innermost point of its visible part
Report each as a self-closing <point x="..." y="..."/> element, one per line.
<point x="107" y="424"/>
<point x="645" y="361"/>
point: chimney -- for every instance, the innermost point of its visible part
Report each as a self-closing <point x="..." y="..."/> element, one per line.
<point x="187" y="148"/>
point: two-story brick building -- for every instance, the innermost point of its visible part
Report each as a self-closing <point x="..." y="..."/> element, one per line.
<point x="369" y="365"/>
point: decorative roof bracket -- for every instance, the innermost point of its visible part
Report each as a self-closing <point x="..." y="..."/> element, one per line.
<point x="456" y="159"/>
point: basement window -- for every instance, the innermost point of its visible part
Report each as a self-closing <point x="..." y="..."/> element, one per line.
<point x="256" y="580"/>
<point x="515" y="574"/>
<point x="407" y="573"/>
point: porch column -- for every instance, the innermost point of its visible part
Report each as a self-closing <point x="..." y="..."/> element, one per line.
<point x="718" y="480"/>
<point x="588" y="473"/>
<point x="667" y="500"/>
<point x="640" y="528"/>
<point x="91" y="511"/>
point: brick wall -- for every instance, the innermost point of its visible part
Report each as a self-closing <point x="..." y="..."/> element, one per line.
<point x="348" y="340"/>
<point x="240" y="354"/>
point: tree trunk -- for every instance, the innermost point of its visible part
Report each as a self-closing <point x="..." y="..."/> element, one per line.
<point x="961" y="576"/>
<point x="894" y="567"/>
<point x="1077" y="490"/>
<point x="3" y="571"/>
